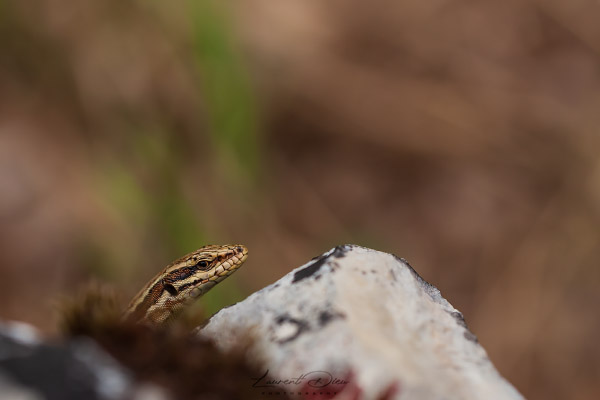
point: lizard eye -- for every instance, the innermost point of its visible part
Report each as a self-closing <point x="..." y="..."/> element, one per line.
<point x="171" y="289"/>
<point x="202" y="264"/>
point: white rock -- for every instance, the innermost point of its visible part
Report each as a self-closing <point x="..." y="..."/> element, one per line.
<point x="362" y="316"/>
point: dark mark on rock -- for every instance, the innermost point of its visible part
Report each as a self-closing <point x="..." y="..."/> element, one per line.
<point x="301" y="326"/>
<point x="460" y="320"/>
<point x="431" y="290"/>
<point x="326" y="317"/>
<point x="436" y="296"/>
<point x="310" y="269"/>
<point x="338" y="252"/>
<point x="272" y="287"/>
<point x="341" y="250"/>
<point x="470" y="336"/>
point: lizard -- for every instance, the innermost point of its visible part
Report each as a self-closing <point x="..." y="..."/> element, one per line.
<point x="182" y="282"/>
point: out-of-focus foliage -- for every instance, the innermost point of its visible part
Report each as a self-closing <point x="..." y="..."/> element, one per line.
<point x="226" y="88"/>
<point x="461" y="136"/>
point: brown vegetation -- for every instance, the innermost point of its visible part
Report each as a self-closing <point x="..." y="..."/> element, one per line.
<point x="461" y="136"/>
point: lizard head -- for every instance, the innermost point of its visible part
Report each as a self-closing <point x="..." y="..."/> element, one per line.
<point x="184" y="280"/>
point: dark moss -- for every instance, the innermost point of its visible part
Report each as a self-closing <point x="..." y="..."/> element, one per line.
<point x="188" y="366"/>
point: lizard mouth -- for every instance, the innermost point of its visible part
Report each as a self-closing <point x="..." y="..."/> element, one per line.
<point x="241" y="253"/>
<point x="234" y="259"/>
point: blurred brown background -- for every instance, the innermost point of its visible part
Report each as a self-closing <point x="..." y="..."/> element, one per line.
<point x="460" y="135"/>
